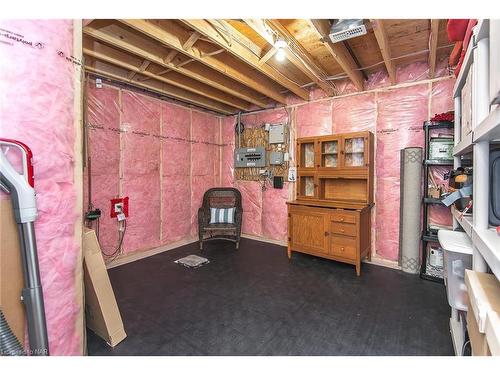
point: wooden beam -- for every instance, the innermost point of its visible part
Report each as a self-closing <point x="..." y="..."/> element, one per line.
<point x="133" y="45"/>
<point x="168" y="34"/>
<point x="295" y="52"/>
<point x="108" y="55"/>
<point x="339" y="52"/>
<point x="385" y="49"/>
<point x="433" y="43"/>
<point x="242" y="53"/>
<point x="162" y="88"/>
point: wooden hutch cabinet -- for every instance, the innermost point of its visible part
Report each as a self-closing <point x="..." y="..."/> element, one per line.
<point x="330" y="217"/>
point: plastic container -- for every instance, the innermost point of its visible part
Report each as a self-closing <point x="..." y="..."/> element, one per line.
<point x="457" y="248"/>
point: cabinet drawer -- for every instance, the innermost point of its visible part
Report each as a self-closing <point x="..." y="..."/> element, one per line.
<point x="344" y="247"/>
<point x="345" y="229"/>
<point x="344" y="217"/>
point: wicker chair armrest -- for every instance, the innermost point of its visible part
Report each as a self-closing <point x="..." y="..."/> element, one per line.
<point x="203" y="216"/>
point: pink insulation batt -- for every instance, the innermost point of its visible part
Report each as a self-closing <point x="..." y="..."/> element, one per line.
<point x="401" y="113"/>
<point x="176" y="149"/>
<point x="141" y="170"/>
<point x="227" y="155"/>
<point x="103" y="118"/>
<point x="204" y="160"/>
<point x="37" y="108"/>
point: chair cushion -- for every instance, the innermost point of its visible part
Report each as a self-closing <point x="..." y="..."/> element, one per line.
<point x="222" y="215"/>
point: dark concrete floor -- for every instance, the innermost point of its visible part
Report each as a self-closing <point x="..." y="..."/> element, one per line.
<point x="254" y="301"/>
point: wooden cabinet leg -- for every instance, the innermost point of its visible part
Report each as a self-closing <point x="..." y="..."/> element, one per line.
<point x="370" y="255"/>
<point x="289" y="252"/>
<point x="358" y="269"/>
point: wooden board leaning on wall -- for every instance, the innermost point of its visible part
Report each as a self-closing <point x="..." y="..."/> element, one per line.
<point x="255" y="137"/>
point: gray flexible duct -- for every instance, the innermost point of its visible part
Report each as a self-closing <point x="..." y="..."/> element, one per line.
<point x="9" y="345"/>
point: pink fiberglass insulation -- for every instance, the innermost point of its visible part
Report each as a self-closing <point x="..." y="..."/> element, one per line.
<point x="204" y="161"/>
<point x="176" y="153"/>
<point x="401" y="113"/>
<point x="314" y="119"/>
<point x="251" y="192"/>
<point x="37" y="108"/>
<point x="227" y="128"/>
<point x="103" y="118"/>
<point x="274" y="213"/>
<point x="354" y="113"/>
<point x="141" y="170"/>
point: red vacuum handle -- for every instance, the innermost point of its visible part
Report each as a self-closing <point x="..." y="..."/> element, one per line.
<point x="29" y="158"/>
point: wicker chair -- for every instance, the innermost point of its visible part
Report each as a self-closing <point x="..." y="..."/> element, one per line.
<point x="220" y="198"/>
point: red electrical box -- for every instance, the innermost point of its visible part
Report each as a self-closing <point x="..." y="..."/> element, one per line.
<point x="123" y="201"/>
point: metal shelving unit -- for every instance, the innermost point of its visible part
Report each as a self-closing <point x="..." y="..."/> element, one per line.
<point x="429" y="236"/>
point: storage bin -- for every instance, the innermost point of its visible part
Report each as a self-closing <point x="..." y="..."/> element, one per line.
<point x="457" y="258"/>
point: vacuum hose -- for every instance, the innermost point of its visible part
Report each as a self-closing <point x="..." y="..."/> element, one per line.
<point x="9" y="345"/>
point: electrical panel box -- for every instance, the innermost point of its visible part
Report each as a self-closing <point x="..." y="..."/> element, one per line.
<point x="250" y="157"/>
<point x="276" y="158"/>
<point x="276" y="134"/>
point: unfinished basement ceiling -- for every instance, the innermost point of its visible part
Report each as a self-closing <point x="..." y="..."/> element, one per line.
<point x="229" y="66"/>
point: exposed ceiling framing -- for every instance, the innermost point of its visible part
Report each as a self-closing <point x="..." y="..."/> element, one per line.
<point x="229" y="66"/>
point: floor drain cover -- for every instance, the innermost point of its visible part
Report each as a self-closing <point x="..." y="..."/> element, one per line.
<point x="192" y="261"/>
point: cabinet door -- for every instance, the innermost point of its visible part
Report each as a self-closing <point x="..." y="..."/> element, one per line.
<point x="355" y="151"/>
<point x="307" y="154"/>
<point x="308" y="230"/>
<point x="329" y="153"/>
<point x="307" y="186"/>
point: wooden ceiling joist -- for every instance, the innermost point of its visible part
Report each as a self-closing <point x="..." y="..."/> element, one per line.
<point x="212" y="78"/>
<point x="111" y="56"/>
<point x="170" y="36"/>
<point x="159" y="87"/>
<point x="339" y="52"/>
<point x="295" y="52"/>
<point x="385" y="49"/>
<point x="245" y="54"/>
<point x="433" y="43"/>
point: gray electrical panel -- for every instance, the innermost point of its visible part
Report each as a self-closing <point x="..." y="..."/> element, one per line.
<point x="276" y="158"/>
<point x="276" y="134"/>
<point x="250" y="157"/>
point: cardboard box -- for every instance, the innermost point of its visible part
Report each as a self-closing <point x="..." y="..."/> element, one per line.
<point x="484" y="295"/>
<point x="466" y="107"/>
<point x="11" y="273"/>
<point x="492" y="332"/>
<point x="477" y="339"/>
<point x="483" y="309"/>
<point x="101" y="310"/>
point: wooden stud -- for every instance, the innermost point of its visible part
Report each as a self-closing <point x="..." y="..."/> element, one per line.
<point x="242" y="52"/>
<point x="433" y="42"/>
<point x="385" y="49"/>
<point x="339" y="52"/>
<point x="165" y="89"/>
<point x="200" y="73"/>
<point x="295" y="52"/>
